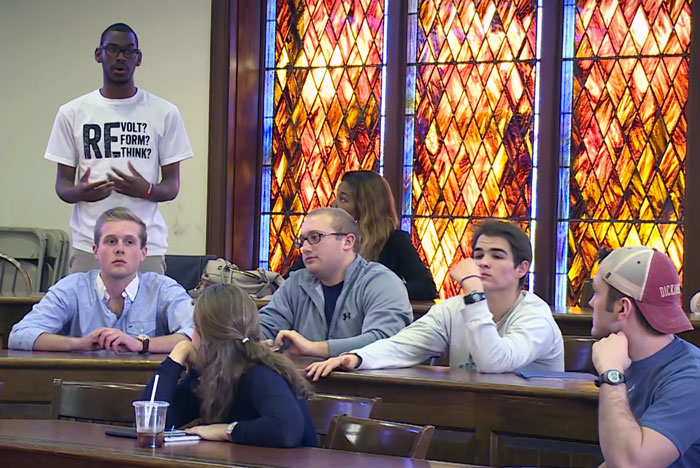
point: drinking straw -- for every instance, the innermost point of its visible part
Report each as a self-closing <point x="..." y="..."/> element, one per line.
<point x="155" y="385"/>
<point x="153" y="396"/>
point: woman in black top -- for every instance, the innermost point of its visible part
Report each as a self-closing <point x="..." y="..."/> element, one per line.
<point x="367" y="197"/>
<point x="240" y="389"/>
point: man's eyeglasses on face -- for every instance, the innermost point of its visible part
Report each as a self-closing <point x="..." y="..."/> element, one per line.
<point x="315" y="238"/>
<point x="113" y="51"/>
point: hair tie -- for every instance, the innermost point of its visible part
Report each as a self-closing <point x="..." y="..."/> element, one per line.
<point x="245" y="340"/>
<point x="468" y="277"/>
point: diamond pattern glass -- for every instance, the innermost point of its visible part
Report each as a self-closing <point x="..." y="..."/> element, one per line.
<point x="469" y="124"/>
<point x="626" y="164"/>
<point x="322" y="116"/>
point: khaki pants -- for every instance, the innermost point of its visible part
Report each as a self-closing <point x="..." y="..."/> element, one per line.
<point x="84" y="261"/>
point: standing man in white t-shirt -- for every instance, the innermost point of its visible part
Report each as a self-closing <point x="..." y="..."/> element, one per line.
<point x="117" y="138"/>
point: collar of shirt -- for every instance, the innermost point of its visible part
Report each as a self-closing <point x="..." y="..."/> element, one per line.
<point x="130" y="290"/>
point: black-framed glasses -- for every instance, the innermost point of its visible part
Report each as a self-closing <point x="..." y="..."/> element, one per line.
<point x="315" y="237"/>
<point x="112" y="51"/>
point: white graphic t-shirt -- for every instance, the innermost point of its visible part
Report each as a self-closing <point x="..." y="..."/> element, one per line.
<point x="101" y="134"/>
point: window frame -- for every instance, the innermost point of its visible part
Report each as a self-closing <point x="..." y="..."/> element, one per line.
<point x="235" y="134"/>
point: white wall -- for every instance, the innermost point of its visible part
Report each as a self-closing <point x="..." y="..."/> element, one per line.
<point x="46" y="59"/>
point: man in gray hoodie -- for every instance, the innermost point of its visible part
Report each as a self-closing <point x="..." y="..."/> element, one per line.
<point x="340" y="301"/>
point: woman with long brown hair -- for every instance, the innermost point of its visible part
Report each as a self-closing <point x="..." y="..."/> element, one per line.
<point x="367" y="197"/>
<point x="240" y="389"/>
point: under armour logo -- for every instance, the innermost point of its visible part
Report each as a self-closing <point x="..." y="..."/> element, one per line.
<point x="470" y="364"/>
<point x="346" y="315"/>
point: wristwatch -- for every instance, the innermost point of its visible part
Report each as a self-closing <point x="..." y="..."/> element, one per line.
<point x="474" y="296"/>
<point x="145" y="341"/>
<point x="229" y="430"/>
<point x="610" y="377"/>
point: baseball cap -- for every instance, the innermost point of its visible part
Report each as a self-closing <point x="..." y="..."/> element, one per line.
<point x="651" y="279"/>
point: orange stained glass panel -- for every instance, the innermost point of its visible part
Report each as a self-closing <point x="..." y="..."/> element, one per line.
<point x="327" y="85"/>
<point x="628" y="137"/>
<point x="474" y="101"/>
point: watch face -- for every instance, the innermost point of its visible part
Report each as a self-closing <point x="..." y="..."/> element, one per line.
<point x="611" y="377"/>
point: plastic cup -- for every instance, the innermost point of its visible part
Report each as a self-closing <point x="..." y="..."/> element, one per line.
<point x="150" y="422"/>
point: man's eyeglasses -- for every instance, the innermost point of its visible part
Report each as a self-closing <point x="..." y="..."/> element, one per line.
<point x="315" y="238"/>
<point x="113" y="51"/>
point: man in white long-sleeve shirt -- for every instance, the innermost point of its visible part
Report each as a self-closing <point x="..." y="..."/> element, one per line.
<point x="494" y="327"/>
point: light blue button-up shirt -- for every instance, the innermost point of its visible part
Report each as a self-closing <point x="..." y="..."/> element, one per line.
<point x="154" y="305"/>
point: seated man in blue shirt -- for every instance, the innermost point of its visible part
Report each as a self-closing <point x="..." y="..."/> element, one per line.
<point x="113" y="308"/>
<point x="649" y="378"/>
<point x="340" y="301"/>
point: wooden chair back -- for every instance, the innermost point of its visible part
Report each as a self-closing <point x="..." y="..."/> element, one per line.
<point x="379" y="437"/>
<point x="324" y="407"/>
<point x="101" y="402"/>
<point x="57" y="243"/>
<point x="14" y="279"/>
<point x="28" y="247"/>
<point x="578" y="354"/>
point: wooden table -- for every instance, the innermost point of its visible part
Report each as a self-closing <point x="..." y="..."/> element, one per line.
<point x="480" y="418"/>
<point x="28" y="375"/>
<point x="489" y="419"/>
<point x="12" y="309"/>
<point x="31" y="443"/>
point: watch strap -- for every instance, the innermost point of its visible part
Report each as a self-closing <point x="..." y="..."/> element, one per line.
<point x="359" y="363"/>
<point x="145" y="342"/>
<point x="473" y="297"/>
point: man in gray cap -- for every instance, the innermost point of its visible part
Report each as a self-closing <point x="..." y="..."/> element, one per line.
<point x="649" y="410"/>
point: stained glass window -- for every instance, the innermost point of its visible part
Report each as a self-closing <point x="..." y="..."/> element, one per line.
<point x="322" y="116"/>
<point x="624" y="91"/>
<point x="470" y="116"/>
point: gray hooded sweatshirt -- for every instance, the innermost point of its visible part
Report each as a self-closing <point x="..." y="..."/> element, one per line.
<point x="372" y="305"/>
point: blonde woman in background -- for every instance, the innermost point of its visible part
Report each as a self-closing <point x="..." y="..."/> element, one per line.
<point x="367" y="197"/>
